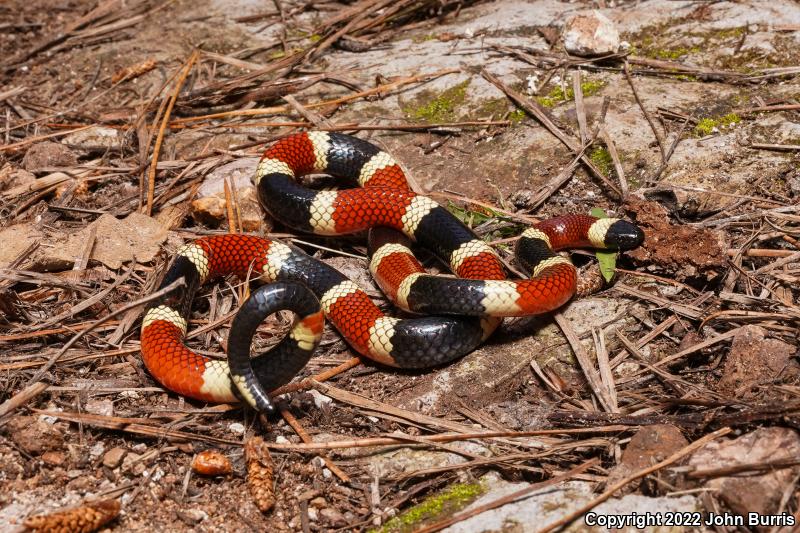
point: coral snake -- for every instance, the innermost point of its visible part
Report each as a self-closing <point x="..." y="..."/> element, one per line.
<point x="465" y="310"/>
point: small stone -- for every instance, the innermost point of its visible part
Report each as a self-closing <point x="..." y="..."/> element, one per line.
<point x="34" y="436"/>
<point x="53" y="458"/>
<point x="129" y="460"/>
<point x="690" y="339"/>
<point x="47" y="418"/>
<point x="327" y="474"/>
<point x="48" y="155"/>
<point x="95" y="137"/>
<point x="648" y="445"/>
<point x="312" y="514"/>
<point x="191" y="516"/>
<point x="590" y="34"/>
<point x="280" y="439"/>
<point x="308" y="494"/>
<point x="333" y="517"/>
<point x="11" y="177"/>
<point x="103" y="407"/>
<point x="755" y="360"/>
<point x="236" y="428"/>
<point x="113" y="457"/>
<point x="96" y="450"/>
<point x="319" y="502"/>
<point x="522" y="198"/>
<point x="320" y="400"/>
<point x="759" y="42"/>
<point x="210" y="205"/>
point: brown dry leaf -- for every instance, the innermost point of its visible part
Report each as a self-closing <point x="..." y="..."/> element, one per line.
<point x="755" y="359"/>
<point x="15" y="240"/>
<point x="118" y="241"/>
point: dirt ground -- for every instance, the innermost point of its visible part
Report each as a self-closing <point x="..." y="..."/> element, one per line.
<point x="670" y="393"/>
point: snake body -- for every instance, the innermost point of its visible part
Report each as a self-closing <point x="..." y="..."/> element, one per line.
<point x="467" y="308"/>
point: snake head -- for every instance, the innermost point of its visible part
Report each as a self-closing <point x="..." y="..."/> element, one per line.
<point x="624" y="235"/>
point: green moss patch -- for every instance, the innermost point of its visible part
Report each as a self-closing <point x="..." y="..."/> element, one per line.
<point x="445" y="503"/>
<point x="661" y="41"/>
<point x="601" y="158"/>
<point x="516" y="116"/>
<point x="438" y="108"/>
<point x="709" y="125"/>
<point x="557" y="95"/>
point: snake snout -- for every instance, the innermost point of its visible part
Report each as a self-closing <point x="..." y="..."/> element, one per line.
<point x="624" y="235"/>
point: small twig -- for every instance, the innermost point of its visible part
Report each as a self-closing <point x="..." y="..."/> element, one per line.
<point x="447" y="128"/>
<point x="34" y="140"/>
<point x="305" y="437"/>
<point x="612" y="151"/>
<point x="87" y="303"/>
<point x="776" y="147"/>
<point x="678" y="137"/>
<point x="322" y="376"/>
<point x="312" y="116"/>
<point x="535" y="110"/>
<point x="385" y="408"/>
<point x="580" y="109"/>
<point x="766" y="466"/>
<point x="604" y="366"/>
<point x="136" y="426"/>
<point x="151" y="183"/>
<point x="441" y="437"/>
<point x="659" y="140"/>
<point x="665" y="376"/>
<point x="472" y="201"/>
<point x="21" y="398"/>
<point x="181" y="282"/>
<point x="381" y="89"/>
<point x="332" y="38"/>
<point x="591" y="374"/>
<point x="760" y="109"/>
<point x="762" y="252"/>
<point x="683" y="353"/>
<point x="233" y="227"/>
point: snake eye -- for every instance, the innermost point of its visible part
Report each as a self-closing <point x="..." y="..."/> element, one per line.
<point x="623" y="235"/>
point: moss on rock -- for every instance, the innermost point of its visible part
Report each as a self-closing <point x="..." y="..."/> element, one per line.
<point x="448" y="501"/>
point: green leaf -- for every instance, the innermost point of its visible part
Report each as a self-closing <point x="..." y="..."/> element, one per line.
<point x="607" y="260"/>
